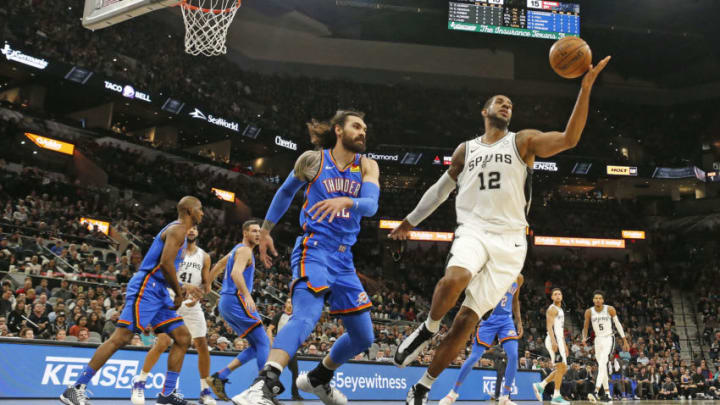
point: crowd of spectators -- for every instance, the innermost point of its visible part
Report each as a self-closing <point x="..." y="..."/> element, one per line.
<point x="154" y="60"/>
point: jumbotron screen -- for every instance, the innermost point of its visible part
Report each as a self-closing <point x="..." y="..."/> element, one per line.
<point x="523" y="18"/>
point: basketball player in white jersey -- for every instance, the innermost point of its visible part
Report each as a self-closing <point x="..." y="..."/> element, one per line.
<point x="194" y="270"/>
<point x="600" y="315"/>
<point x="491" y="173"/>
<point x="555" y="345"/>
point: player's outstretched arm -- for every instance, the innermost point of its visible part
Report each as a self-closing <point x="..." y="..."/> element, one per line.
<point x="618" y="326"/>
<point x="532" y="142"/>
<point x="516" y="306"/>
<point x="174" y="239"/>
<point x="243" y="256"/>
<point x="306" y="168"/>
<point x="586" y="325"/>
<point x="434" y="196"/>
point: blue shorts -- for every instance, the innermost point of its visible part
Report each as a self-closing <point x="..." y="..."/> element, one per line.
<point x="148" y="304"/>
<point x="327" y="268"/>
<point x="501" y="326"/>
<point x="234" y="311"/>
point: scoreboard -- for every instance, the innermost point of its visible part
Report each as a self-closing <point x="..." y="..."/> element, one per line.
<point x="524" y="18"/>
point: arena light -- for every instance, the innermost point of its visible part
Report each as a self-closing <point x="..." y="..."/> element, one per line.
<point x="389" y="224"/>
<point x="565" y="241"/>
<point x="102" y="226"/>
<point x="224" y="195"/>
<point x="51" y="144"/>
<point x="622" y="170"/>
<point x="633" y="234"/>
<point x="430" y="236"/>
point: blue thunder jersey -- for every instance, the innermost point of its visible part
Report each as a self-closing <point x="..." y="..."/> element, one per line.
<point x="331" y="182"/>
<point x="228" y="286"/>
<point x="504" y="307"/>
<point x="151" y="261"/>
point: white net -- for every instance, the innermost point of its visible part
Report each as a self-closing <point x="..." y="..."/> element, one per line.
<point x="206" y="25"/>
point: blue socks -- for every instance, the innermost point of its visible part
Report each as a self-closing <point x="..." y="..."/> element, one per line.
<point x="224" y="373"/>
<point x="86" y="375"/>
<point x="170" y="382"/>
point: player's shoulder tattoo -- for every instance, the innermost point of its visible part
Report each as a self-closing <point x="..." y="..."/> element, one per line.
<point x="307" y="165"/>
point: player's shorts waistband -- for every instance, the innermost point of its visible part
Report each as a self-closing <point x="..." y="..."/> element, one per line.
<point x="322" y="242"/>
<point x="490" y="229"/>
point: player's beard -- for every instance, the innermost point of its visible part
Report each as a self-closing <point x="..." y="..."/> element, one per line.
<point x="190" y="241"/>
<point x="349" y="144"/>
<point x="498" y="122"/>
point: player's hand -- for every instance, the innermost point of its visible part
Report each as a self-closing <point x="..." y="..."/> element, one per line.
<point x="249" y="304"/>
<point x="194" y="293"/>
<point x="520" y="330"/>
<point x="626" y="346"/>
<point x="555" y="347"/>
<point x="266" y="245"/>
<point x="330" y="208"/>
<point x="593" y="72"/>
<point x="402" y="231"/>
<point x="178" y="300"/>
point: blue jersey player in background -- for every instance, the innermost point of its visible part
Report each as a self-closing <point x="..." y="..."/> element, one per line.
<point x="237" y="306"/>
<point x="148" y="304"/>
<point x="500" y="324"/>
<point x="342" y="187"/>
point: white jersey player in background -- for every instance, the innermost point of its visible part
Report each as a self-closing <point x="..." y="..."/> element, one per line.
<point x="491" y="173"/>
<point x="599" y="316"/>
<point x="194" y="270"/>
<point x="555" y="345"/>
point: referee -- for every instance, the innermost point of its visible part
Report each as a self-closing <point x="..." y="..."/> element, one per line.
<point x="499" y="358"/>
<point x="278" y="323"/>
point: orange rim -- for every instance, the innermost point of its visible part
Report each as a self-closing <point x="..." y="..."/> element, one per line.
<point x="185" y="4"/>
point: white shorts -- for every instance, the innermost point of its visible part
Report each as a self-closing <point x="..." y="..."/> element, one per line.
<point x="494" y="259"/>
<point x="604" y="345"/>
<point x="194" y="319"/>
<point x="561" y="349"/>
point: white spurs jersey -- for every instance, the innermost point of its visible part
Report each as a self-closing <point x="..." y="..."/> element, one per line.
<point x="190" y="269"/>
<point x="559" y="324"/>
<point x="601" y="321"/>
<point x="494" y="188"/>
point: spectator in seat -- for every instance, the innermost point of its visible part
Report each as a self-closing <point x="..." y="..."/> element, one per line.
<point x="668" y="391"/>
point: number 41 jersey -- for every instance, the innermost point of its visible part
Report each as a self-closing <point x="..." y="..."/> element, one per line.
<point x="495" y="186"/>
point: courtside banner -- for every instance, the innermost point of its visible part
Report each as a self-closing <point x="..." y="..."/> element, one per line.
<point x="44" y="370"/>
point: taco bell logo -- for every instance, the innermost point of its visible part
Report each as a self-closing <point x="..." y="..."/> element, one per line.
<point x="128" y="92"/>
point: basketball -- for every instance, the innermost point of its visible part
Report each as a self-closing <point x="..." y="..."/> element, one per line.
<point x="570" y="57"/>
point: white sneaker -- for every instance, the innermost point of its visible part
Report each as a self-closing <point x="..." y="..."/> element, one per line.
<point x="328" y="395"/>
<point x="505" y="400"/>
<point x="591" y="397"/>
<point x="257" y="394"/>
<point x="138" y="391"/>
<point x="450" y="398"/>
<point x="206" y="397"/>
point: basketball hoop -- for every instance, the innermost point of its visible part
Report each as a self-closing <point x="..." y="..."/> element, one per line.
<point x="206" y="25"/>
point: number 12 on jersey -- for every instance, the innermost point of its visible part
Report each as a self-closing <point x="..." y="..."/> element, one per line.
<point x="493" y="180"/>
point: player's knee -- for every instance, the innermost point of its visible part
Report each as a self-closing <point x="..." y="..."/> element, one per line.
<point x="163" y="341"/>
<point x="182" y="337"/>
<point x="465" y="319"/>
<point x="455" y="278"/>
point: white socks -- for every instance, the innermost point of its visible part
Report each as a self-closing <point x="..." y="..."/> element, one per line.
<point x="543" y="384"/>
<point x="556" y="393"/>
<point x="203" y="384"/>
<point x="427" y="380"/>
<point x="431" y="325"/>
<point x="143" y="376"/>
